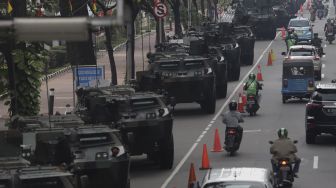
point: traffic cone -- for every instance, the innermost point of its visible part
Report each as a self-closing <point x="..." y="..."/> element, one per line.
<point x="217" y="143"/>
<point x="283" y="33"/>
<point x="269" y="60"/>
<point x="244" y="99"/>
<point x="273" y="55"/>
<point x="192" y="176"/>
<point x="240" y="104"/>
<point x="205" y="159"/>
<point x="259" y="75"/>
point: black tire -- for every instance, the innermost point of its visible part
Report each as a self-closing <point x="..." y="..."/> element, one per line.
<point x="310" y="138"/>
<point x="222" y="91"/>
<point x="166" y="153"/>
<point x="209" y="104"/>
<point x="249" y="59"/>
<point x="235" y="75"/>
<point x="330" y="41"/>
<point x="284" y="99"/>
<point x="319" y="75"/>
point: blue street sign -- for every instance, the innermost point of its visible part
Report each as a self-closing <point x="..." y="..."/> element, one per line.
<point x="84" y="75"/>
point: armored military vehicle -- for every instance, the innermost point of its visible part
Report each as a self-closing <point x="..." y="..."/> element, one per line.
<point x="184" y="77"/>
<point x="257" y="14"/>
<point x="246" y="39"/>
<point x="17" y="172"/>
<point x="94" y="151"/>
<point x="144" y="120"/>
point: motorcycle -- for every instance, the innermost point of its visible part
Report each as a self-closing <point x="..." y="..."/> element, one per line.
<point x="232" y="140"/>
<point x="313" y="16"/>
<point x="285" y="175"/>
<point x="330" y="36"/>
<point x="252" y="105"/>
<point x="320" y="13"/>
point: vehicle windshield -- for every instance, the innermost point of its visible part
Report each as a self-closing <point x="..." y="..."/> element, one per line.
<point x="324" y="95"/>
<point x="194" y="64"/>
<point x="147" y="103"/>
<point x="235" y="185"/>
<point x="172" y="65"/>
<point x="299" y="23"/>
<point x="301" y="52"/>
<point x="298" y="71"/>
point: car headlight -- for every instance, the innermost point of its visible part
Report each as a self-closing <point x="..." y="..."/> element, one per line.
<point x="198" y="73"/>
<point x="237" y="45"/>
<point x="208" y="70"/>
<point x="163" y="112"/>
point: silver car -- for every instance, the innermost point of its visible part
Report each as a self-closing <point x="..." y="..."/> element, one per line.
<point x="238" y="177"/>
<point x="306" y="52"/>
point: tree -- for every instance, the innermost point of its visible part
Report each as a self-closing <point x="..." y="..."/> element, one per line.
<point x="175" y="6"/>
<point x="79" y="53"/>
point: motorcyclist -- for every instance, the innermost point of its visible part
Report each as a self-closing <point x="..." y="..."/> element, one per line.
<point x="284" y="147"/>
<point x="328" y="27"/>
<point x="291" y="38"/>
<point x="317" y="42"/>
<point x="252" y="86"/>
<point x="232" y="118"/>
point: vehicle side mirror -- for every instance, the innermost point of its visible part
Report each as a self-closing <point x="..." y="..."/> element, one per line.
<point x="295" y="141"/>
<point x="270" y="142"/>
<point x="283" y="53"/>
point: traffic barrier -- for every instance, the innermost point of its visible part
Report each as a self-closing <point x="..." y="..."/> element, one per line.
<point x="192" y="176"/>
<point x="273" y="55"/>
<point x="205" y="159"/>
<point x="240" y="104"/>
<point x="283" y="33"/>
<point x="259" y="75"/>
<point x="217" y="143"/>
<point x="269" y="60"/>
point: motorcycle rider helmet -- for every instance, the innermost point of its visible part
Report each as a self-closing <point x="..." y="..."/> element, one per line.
<point x="252" y="76"/>
<point x="315" y="35"/>
<point x="328" y="20"/>
<point x="282" y="133"/>
<point x="233" y="105"/>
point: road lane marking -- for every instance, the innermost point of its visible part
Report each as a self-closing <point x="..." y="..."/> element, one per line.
<point x="322" y="76"/>
<point x="185" y="158"/>
<point x="252" y="131"/>
<point x="323" y="65"/>
<point x="315" y="164"/>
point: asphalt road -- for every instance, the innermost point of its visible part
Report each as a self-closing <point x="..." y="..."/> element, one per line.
<point x="192" y="128"/>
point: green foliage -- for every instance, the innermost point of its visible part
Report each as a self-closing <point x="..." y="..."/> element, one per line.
<point x="3" y="76"/>
<point x="29" y="65"/>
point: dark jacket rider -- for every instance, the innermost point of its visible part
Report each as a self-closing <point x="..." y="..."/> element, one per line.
<point x="232" y="118"/>
<point x="284" y="147"/>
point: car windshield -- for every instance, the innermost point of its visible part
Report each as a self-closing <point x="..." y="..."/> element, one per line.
<point x="325" y="95"/>
<point x="299" y="23"/>
<point x="298" y="71"/>
<point x="235" y="185"/>
<point x="301" y="52"/>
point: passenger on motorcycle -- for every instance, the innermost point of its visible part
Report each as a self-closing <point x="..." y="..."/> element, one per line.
<point x="232" y="119"/>
<point x="328" y="27"/>
<point x="284" y="148"/>
<point x="252" y="87"/>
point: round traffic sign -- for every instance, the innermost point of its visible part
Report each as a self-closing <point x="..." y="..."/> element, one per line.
<point x="160" y="10"/>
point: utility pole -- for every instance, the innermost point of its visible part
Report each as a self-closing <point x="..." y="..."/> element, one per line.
<point x="189" y="14"/>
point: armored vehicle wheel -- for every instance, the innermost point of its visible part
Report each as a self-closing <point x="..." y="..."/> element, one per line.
<point x="235" y="72"/>
<point x="222" y="90"/>
<point x="209" y="104"/>
<point x="166" y="153"/>
<point x="272" y="33"/>
<point x="310" y="138"/>
<point x="319" y="75"/>
<point x="248" y="60"/>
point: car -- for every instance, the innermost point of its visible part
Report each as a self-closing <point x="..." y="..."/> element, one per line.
<point x="237" y="177"/>
<point x="144" y="120"/>
<point x="306" y="52"/>
<point x="320" y="116"/>
<point x="302" y="28"/>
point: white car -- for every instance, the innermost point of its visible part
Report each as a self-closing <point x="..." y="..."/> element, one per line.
<point x="237" y="177"/>
<point x="306" y="52"/>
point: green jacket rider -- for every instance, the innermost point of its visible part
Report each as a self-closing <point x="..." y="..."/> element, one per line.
<point x="252" y="86"/>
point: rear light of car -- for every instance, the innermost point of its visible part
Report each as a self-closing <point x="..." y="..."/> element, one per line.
<point x="311" y="106"/>
<point x="310" y="122"/>
<point x="283" y="162"/>
<point x="285" y="83"/>
<point x="317" y="58"/>
<point x="115" y="151"/>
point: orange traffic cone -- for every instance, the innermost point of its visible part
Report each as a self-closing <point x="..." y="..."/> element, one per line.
<point x="205" y="159"/>
<point x="273" y="55"/>
<point x="244" y="99"/>
<point x="217" y="144"/>
<point x="283" y="33"/>
<point x="192" y="176"/>
<point x="259" y="75"/>
<point x="269" y="60"/>
<point x="240" y="104"/>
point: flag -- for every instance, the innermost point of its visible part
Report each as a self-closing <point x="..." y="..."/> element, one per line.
<point x="9" y="6"/>
<point x="94" y="6"/>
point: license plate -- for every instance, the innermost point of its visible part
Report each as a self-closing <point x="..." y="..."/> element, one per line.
<point x="330" y="34"/>
<point x="331" y="110"/>
<point x="284" y="168"/>
<point x="250" y="102"/>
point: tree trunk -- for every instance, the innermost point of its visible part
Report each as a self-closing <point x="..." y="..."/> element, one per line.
<point x="109" y="48"/>
<point x="202" y="8"/>
<point x="177" y="18"/>
<point x="79" y="53"/>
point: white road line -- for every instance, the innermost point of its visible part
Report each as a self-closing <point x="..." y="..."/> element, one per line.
<point x="252" y="131"/>
<point x="323" y="65"/>
<point x="315" y="165"/>
<point x="185" y="158"/>
<point x="322" y="76"/>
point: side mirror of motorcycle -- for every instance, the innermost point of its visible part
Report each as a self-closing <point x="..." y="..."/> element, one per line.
<point x="295" y="141"/>
<point x="270" y="142"/>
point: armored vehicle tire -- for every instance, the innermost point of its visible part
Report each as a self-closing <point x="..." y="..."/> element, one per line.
<point x="248" y="59"/>
<point x="166" y="153"/>
<point x="209" y="104"/>
<point x="222" y="90"/>
<point x="235" y="72"/>
<point x="310" y="138"/>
